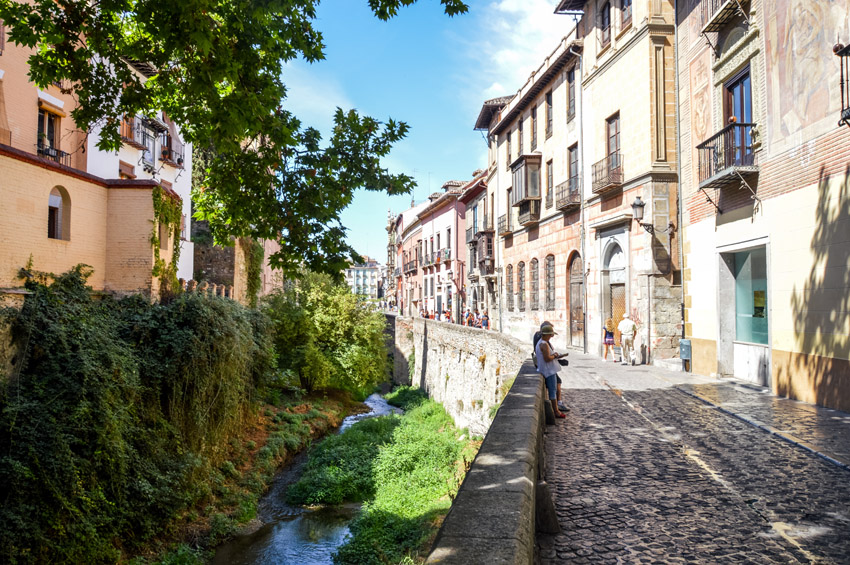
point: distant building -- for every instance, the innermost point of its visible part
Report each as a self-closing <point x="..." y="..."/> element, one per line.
<point x="364" y="278"/>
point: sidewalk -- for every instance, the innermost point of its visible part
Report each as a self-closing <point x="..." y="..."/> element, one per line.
<point x="822" y="431"/>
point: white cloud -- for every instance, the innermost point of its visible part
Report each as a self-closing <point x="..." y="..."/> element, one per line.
<point x="512" y="38"/>
<point x="313" y="95"/>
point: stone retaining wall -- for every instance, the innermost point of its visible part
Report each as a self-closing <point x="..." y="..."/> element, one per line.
<point x="493" y="518"/>
<point x="467" y="370"/>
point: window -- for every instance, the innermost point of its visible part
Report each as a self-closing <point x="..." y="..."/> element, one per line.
<point x="438" y="242"/>
<point x="449" y="238"/>
<point x="508" y="149"/>
<point x="519" y="148"/>
<point x="626" y="13"/>
<point x="54" y="215"/>
<point x="572" y="170"/>
<point x="548" y="113"/>
<point x="612" y="126"/>
<point x="535" y="285"/>
<point x="534" y="128"/>
<point x="509" y="213"/>
<point x="48" y="132"/>
<point x="549" y="182"/>
<point x="475" y="219"/>
<point x="751" y="296"/>
<point x="571" y="94"/>
<point x="605" y="24"/>
<point x="526" y="179"/>
<point x="509" y="270"/>
<point x="521" y="286"/>
<point x="738" y="104"/>
<point x="550" y="282"/>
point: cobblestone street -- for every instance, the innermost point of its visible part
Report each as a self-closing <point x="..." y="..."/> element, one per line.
<point x="656" y="466"/>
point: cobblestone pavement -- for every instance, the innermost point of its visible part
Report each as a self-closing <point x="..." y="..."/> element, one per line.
<point x="645" y="470"/>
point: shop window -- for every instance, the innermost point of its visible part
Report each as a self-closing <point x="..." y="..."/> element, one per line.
<point x="751" y="313"/>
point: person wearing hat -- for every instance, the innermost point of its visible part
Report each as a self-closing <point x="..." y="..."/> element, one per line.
<point x="534" y="341"/>
<point x="548" y="366"/>
<point x="627" y="339"/>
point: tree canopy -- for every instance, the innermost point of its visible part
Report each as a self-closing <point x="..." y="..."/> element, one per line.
<point x="218" y="72"/>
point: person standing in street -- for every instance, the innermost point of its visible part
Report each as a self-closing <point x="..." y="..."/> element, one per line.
<point x="534" y="341"/>
<point x="548" y="366"/>
<point x="485" y="321"/>
<point x="627" y="339"/>
<point x="608" y="339"/>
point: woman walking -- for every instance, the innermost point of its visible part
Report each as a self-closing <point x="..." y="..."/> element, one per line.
<point x="608" y="339"/>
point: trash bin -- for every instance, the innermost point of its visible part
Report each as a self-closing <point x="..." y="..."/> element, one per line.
<point x="685" y="354"/>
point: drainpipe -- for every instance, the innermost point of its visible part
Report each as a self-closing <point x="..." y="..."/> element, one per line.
<point x="582" y="229"/>
<point x="679" y="230"/>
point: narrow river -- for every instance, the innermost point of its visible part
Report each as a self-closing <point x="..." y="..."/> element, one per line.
<point x="292" y="534"/>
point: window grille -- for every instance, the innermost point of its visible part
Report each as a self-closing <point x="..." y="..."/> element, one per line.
<point x="510" y="284"/>
<point x="550" y="282"/>
<point x="521" y="286"/>
<point x="535" y="285"/>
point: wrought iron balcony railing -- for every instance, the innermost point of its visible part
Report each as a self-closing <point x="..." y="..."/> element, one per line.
<point x="608" y="173"/>
<point x="505" y="227"/>
<point x="172" y="151"/>
<point x="726" y="155"/>
<point x="55" y="155"/>
<point x="715" y="14"/>
<point x="487" y="226"/>
<point x="529" y="212"/>
<point x="843" y="52"/>
<point x="568" y="194"/>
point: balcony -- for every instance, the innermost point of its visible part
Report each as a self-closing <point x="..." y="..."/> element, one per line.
<point x="526" y="179"/>
<point x="529" y="213"/>
<point x="55" y="155"/>
<point x="427" y="259"/>
<point x="410" y="266"/>
<point x="470" y="234"/>
<point x="715" y="14"/>
<point x="397" y="272"/>
<point x="445" y="254"/>
<point x="727" y="157"/>
<point x="505" y="226"/>
<point x="134" y="133"/>
<point x="608" y="174"/>
<point x="488" y="224"/>
<point x="172" y="152"/>
<point x="843" y="52"/>
<point x="568" y="195"/>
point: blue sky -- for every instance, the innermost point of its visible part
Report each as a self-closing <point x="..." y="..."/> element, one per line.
<point x="428" y="70"/>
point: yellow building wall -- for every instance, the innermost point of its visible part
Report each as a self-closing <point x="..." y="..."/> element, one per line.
<point x="25" y="189"/>
<point x="130" y="257"/>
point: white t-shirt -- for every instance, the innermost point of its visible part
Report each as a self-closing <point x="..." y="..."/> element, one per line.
<point x="627" y="328"/>
<point x="546" y="368"/>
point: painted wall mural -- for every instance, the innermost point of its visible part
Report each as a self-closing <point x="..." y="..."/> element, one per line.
<point x="802" y="73"/>
<point x="701" y="108"/>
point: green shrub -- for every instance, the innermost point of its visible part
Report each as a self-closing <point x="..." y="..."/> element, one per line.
<point x="406" y="397"/>
<point x="119" y="416"/>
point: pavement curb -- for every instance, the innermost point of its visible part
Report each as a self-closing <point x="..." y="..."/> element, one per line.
<point x="771" y="430"/>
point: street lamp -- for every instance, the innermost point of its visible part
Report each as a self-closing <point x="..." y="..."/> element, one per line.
<point x="637" y="213"/>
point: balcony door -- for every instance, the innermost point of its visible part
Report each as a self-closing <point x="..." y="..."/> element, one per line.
<point x="739" y="105"/>
<point x="612" y="127"/>
<point x="576" y="302"/>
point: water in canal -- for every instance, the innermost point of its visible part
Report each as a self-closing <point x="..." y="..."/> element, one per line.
<point x="292" y="534"/>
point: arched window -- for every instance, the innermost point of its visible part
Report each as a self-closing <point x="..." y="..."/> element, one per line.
<point x="521" y="286"/>
<point x="510" y="286"/>
<point x="550" y="282"/>
<point x="59" y="214"/>
<point x="535" y="285"/>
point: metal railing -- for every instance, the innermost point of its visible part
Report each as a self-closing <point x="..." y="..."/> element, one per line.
<point x="608" y="173"/>
<point x="714" y="14"/>
<point x="529" y="212"/>
<point x="172" y="151"/>
<point x="505" y="227"/>
<point x="488" y="223"/>
<point x="55" y="155"/>
<point x="729" y="148"/>
<point x="568" y="194"/>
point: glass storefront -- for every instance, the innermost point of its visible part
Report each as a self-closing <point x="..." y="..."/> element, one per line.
<point x="751" y="296"/>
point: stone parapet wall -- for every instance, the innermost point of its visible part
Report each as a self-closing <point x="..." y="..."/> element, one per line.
<point x="464" y="369"/>
<point x="494" y="516"/>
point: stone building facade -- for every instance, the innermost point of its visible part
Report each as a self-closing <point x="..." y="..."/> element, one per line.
<point x="480" y="271"/>
<point x="766" y="205"/>
<point x="65" y="202"/>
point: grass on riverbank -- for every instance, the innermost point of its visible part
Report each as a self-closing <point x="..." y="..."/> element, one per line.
<point x="284" y="427"/>
<point x="407" y="468"/>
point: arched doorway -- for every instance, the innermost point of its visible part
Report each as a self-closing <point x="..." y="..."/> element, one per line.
<point x="576" y="282"/>
<point x="614" y="285"/>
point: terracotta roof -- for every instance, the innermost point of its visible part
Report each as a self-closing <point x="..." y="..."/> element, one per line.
<point x="489" y="108"/>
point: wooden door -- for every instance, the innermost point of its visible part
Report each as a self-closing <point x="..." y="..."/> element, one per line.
<point x="576" y="303"/>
